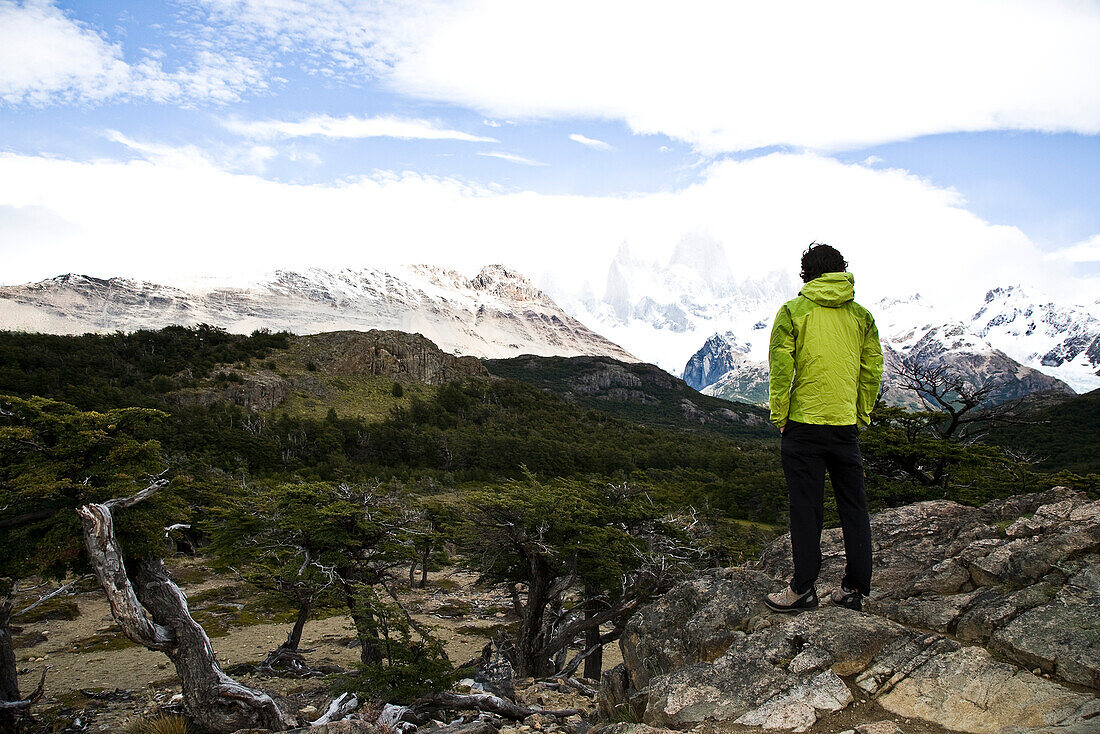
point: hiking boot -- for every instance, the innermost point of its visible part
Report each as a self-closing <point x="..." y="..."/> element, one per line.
<point x="787" y="600"/>
<point x="849" y="598"/>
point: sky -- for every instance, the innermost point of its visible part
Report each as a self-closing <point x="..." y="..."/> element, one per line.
<point x="944" y="147"/>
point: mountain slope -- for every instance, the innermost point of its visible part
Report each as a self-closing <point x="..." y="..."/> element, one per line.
<point x="642" y="393"/>
<point x="497" y="313"/>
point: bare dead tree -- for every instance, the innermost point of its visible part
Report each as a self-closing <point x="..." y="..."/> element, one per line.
<point x="965" y="409"/>
<point x="152" y="611"/>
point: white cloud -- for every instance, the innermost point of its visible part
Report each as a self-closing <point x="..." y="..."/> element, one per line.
<point x="176" y="214"/>
<point x="591" y="142"/>
<point x="732" y="76"/>
<point x="871" y="160"/>
<point x="1082" y="252"/>
<point x="43" y="53"/>
<point x="719" y="75"/>
<point x="337" y="39"/>
<point x="47" y="57"/>
<point x="513" y="158"/>
<point x="352" y="127"/>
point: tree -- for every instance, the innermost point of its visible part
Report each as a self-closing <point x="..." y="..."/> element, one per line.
<point x="575" y="557"/>
<point x="939" y="447"/>
<point x="965" y="410"/>
<point x="53" y="458"/>
<point x="429" y="534"/>
<point x="257" y="534"/>
<point x="57" y="461"/>
<point x="302" y="539"/>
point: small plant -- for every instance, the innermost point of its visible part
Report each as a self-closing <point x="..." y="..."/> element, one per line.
<point x="397" y="390"/>
<point x="311" y="366"/>
<point x="414" y="669"/>
<point x="159" y="725"/>
<point x="625" y="714"/>
<point x="58" y="608"/>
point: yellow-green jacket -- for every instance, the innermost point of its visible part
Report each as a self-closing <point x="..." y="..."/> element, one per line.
<point x="824" y="359"/>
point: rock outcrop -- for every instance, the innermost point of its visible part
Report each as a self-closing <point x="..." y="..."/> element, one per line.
<point x="982" y="620"/>
<point x="399" y="356"/>
<point x="395" y="354"/>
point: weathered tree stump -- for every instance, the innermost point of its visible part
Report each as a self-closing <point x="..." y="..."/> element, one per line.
<point x="152" y="611"/>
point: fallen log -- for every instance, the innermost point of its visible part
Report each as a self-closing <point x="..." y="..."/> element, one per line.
<point x="486" y="702"/>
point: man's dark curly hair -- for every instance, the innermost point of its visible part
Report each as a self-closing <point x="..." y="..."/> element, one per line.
<point x="819" y="259"/>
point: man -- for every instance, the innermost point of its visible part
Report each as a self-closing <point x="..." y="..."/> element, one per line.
<point x="825" y="365"/>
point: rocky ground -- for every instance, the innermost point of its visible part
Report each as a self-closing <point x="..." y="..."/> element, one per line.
<point x="983" y="620"/>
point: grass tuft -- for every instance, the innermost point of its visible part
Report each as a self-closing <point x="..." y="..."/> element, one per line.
<point x="159" y="725"/>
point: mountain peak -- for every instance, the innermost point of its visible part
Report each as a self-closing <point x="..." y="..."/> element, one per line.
<point x="500" y="281"/>
<point x="1016" y="293"/>
<point x="706" y="257"/>
<point x="722" y="353"/>
<point x="914" y="299"/>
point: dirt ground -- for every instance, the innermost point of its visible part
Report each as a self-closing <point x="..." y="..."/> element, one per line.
<point x="91" y="662"/>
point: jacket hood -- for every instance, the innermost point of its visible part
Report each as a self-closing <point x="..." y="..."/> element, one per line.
<point x="831" y="289"/>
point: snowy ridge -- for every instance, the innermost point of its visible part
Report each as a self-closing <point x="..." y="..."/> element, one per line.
<point x="497" y="313"/>
<point x="693" y="317"/>
<point x="1058" y="339"/>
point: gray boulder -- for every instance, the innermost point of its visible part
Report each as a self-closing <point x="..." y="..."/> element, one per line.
<point x="966" y="690"/>
<point x="1019" y="577"/>
<point x="693" y="623"/>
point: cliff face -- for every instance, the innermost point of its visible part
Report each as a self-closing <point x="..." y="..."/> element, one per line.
<point x="981" y="620"/>
<point x="395" y="354"/>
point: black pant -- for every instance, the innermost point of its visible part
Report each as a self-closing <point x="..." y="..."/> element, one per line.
<point x="808" y="450"/>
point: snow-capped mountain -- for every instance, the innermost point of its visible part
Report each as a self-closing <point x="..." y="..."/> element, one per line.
<point x="497" y="313"/>
<point x="909" y="334"/>
<point x="664" y="311"/>
<point x="723" y="369"/>
<point x="1061" y="340"/>
<point x="747" y="380"/>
